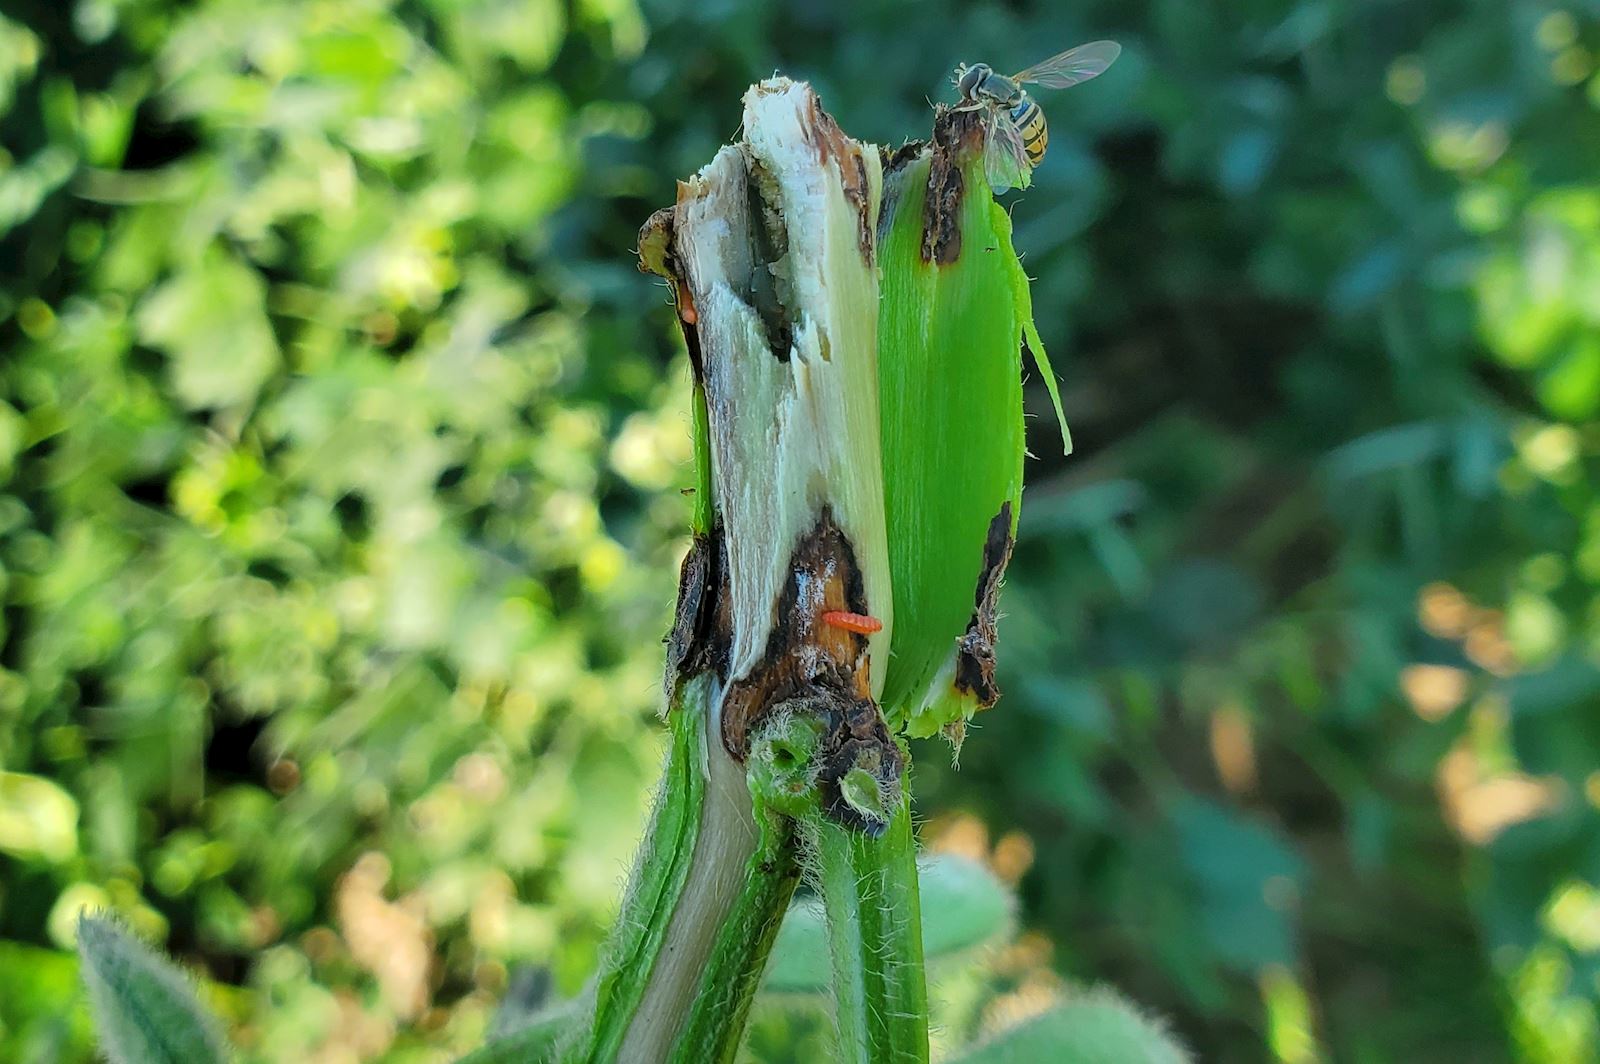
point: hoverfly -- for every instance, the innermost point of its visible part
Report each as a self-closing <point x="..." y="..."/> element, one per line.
<point x="1015" y="130"/>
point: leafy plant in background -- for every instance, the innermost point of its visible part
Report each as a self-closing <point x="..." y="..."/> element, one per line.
<point x="1299" y="646"/>
<point x="148" y="1011"/>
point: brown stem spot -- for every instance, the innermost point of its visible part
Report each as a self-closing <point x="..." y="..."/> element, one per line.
<point x="975" y="648"/>
<point x="804" y="656"/>
<point x="892" y="161"/>
<point x="858" y="739"/>
<point x="824" y="134"/>
<point x="701" y="624"/>
<point x="957" y="139"/>
<point x="767" y="289"/>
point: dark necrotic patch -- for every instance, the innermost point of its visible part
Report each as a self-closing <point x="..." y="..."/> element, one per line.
<point x="701" y="624"/>
<point x="681" y="641"/>
<point x="769" y="237"/>
<point x="858" y="738"/>
<point x="791" y="666"/>
<point x="894" y="161"/>
<point x="957" y="139"/>
<point x="975" y="649"/>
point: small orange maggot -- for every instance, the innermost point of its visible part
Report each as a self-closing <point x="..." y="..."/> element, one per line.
<point x="859" y="623"/>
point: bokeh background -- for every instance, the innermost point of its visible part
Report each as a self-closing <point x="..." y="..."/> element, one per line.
<point x="340" y="447"/>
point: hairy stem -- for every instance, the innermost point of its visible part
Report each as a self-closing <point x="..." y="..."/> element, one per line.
<point x="869" y="894"/>
<point x="704" y="903"/>
<point x="770" y="251"/>
<point x="657" y="884"/>
<point x="732" y="971"/>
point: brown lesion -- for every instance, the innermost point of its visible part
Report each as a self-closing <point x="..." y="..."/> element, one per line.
<point x="684" y="641"/>
<point x="957" y="138"/>
<point x="857" y="738"/>
<point x="853" y="738"/>
<point x="804" y="656"/>
<point x="892" y="162"/>
<point x="831" y="142"/>
<point x="975" y="649"/>
<point x="766" y="289"/>
<point x="702" y="621"/>
<point x="820" y="670"/>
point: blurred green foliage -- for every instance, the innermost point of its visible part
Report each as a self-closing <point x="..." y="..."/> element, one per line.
<point x="340" y="444"/>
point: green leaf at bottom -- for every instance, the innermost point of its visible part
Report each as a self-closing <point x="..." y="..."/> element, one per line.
<point x="145" y="1010"/>
<point x="1095" y="1028"/>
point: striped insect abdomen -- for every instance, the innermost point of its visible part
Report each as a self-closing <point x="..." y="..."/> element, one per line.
<point x="1030" y="123"/>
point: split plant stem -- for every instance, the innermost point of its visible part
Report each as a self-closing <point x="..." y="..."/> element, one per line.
<point x="854" y="320"/>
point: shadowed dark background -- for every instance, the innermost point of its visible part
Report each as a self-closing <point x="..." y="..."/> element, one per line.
<point x="340" y="447"/>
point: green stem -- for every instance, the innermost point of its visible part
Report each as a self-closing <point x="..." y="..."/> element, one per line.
<point x="655" y="888"/>
<point x="869" y="892"/>
<point x="713" y="1028"/>
<point x="705" y="900"/>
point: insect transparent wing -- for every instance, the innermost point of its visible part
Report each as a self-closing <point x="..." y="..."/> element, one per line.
<point x="1004" y="160"/>
<point x="1071" y="67"/>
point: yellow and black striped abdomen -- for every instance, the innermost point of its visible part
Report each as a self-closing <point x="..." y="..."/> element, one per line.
<point x="1031" y="126"/>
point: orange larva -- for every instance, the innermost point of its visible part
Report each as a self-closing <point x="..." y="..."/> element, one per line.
<point x="859" y="623"/>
